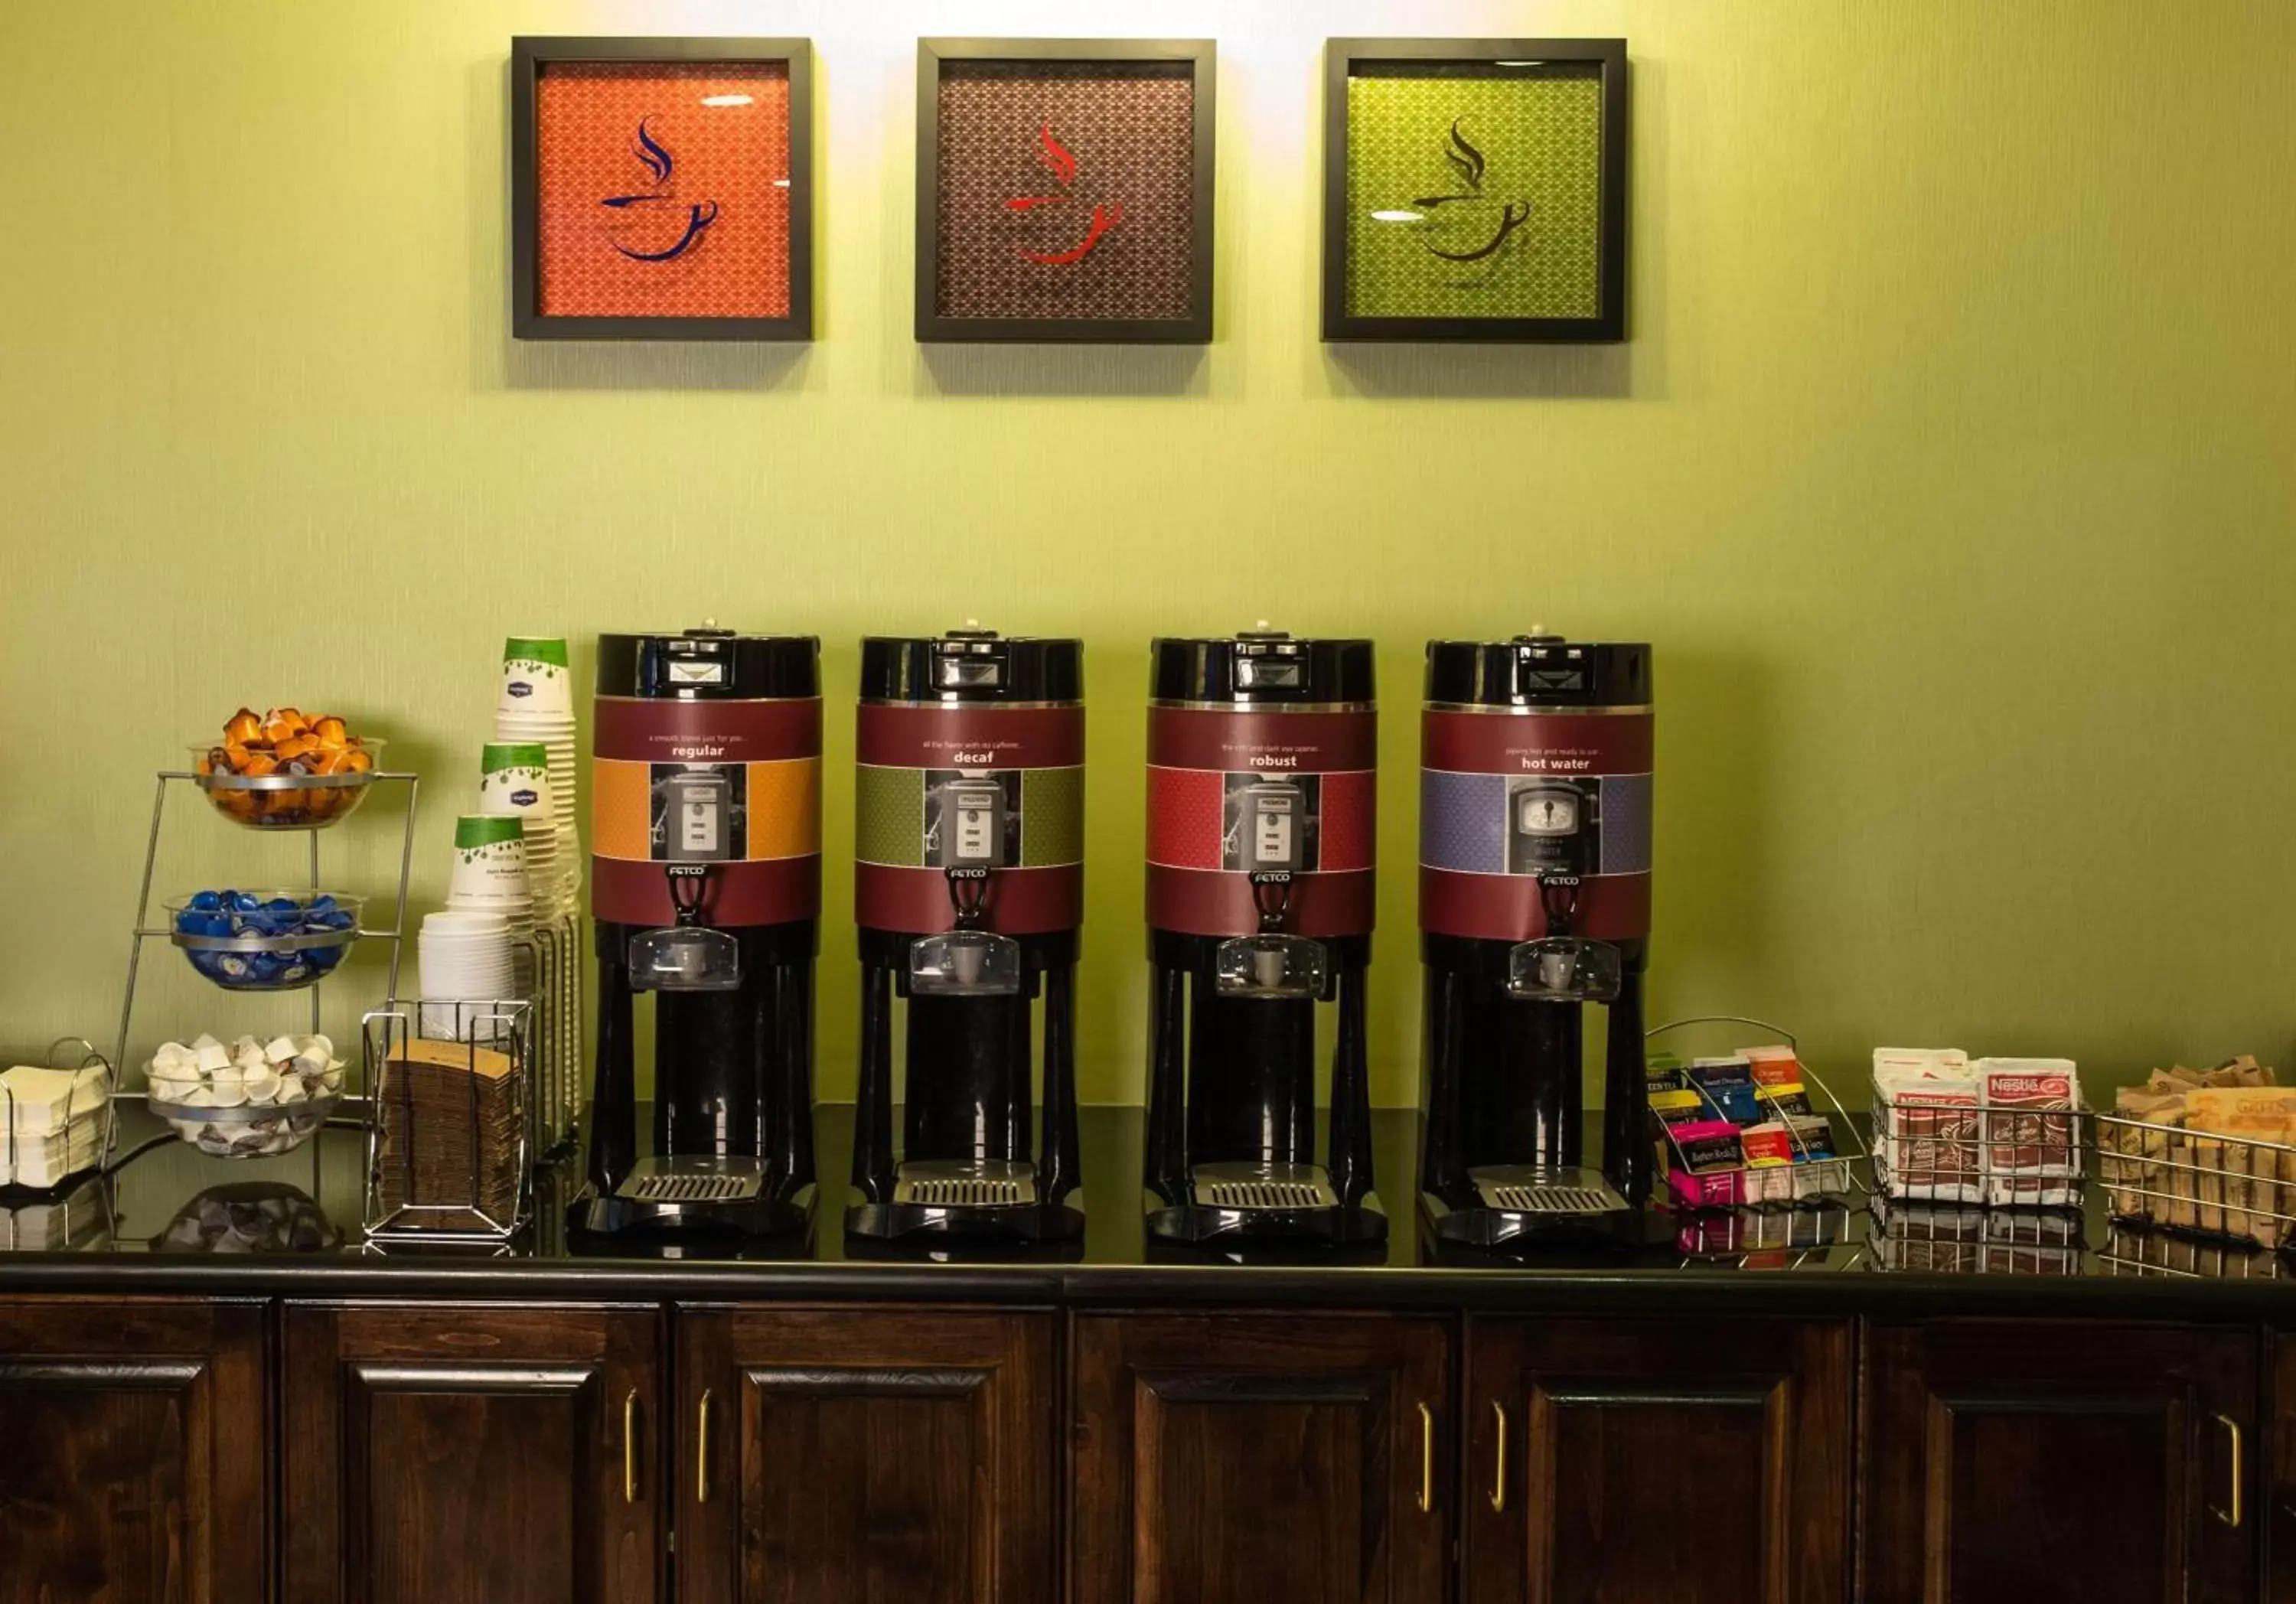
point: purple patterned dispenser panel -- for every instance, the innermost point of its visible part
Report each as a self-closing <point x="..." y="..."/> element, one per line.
<point x="1464" y="822"/>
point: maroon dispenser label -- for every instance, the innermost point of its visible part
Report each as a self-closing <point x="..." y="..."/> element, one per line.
<point x="1235" y="794"/>
<point x="969" y="735"/>
<point x="734" y="786"/>
<point x="993" y="793"/>
<point x="1509" y="799"/>
<point x="645" y="730"/>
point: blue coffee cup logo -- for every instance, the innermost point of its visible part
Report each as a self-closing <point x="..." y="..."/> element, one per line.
<point x="526" y="798"/>
<point x="520" y="688"/>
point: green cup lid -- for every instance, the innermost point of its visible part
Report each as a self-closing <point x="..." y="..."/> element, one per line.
<point x="498" y="755"/>
<point x="535" y="648"/>
<point x="488" y="830"/>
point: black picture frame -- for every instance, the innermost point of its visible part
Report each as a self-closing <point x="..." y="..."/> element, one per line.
<point x="529" y="55"/>
<point x="1196" y="327"/>
<point x="1342" y="58"/>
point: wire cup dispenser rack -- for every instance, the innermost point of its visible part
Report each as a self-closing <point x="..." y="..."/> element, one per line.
<point x="145" y="930"/>
<point x="454" y="1105"/>
<point x="1810" y="1182"/>
<point x="555" y="1032"/>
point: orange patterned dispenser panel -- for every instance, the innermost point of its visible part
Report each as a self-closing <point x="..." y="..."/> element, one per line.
<point x="663" y="188"/>
<point x="785" y="808"/>
<point x="781" y="817"/>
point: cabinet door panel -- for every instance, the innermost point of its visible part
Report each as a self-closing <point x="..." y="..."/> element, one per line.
<point x="2281" y="1516"/>
<point x="1590" y="1440"/>
<point x="2006" y="1462"/>
<point x="875" y="1453"/>
<point x="441" y="1456"/>
<point x="134" y="1471"/>
<point x="1250" y="1458"/>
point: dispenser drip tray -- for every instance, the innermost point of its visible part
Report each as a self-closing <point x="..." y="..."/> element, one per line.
<point x="1534" y="1189"/>
<point x="1257" y="1186"/>
<point x="988" y="1184"/>
<point x="691" y="1180"/>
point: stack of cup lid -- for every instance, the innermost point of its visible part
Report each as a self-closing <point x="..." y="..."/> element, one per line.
<point x="469" y="963"/>
<point x="514" y="781"/>
<point x="535" y="707"/>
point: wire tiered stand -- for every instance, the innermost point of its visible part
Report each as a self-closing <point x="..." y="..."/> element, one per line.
<point x="1778" y="1217"/>
<point x="145" y="930"/>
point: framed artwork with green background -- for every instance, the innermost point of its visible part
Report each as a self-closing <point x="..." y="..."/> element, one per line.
<point x="1475" y="189"/>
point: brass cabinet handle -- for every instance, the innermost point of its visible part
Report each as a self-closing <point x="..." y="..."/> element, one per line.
<point x="1426" y="1460"/>
<point x="630" y="1447"/>
<point x="2232" y="1516"/>
<point x="1498" y="1470"/>
<point x="702" y="1452"/>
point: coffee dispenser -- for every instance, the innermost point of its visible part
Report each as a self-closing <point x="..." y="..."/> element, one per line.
<point x="968" y="885"/>
<point x="705" y="886"/>
<point x="1534" y="900"/>
<point x="1262" y="752"/>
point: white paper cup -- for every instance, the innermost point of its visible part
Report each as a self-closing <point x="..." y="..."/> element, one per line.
<point x="534" y="676"/>
<point x="489" y="863"/>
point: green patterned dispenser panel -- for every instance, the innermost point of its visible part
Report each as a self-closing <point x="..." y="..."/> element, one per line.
<point x="889" y="816"/>
<point x="1475" y="196"/>
<point x="892" y="817"/>
<point x="1052" y="817"/>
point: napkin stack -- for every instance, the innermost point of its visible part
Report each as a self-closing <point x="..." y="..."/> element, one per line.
<point x="51" y="1122"/>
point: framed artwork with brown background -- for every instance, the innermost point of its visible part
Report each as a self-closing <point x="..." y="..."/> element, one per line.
<point x="662" y="189"/>
<point x="1065" y="189"/>
<point x="1475" y="189"/>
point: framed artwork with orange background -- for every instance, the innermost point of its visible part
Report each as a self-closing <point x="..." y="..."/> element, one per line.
<point x="662" y="189"/>
<point x="1065" y="189"/>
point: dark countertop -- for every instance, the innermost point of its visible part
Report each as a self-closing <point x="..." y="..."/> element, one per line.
<point x="117" y="1236"/>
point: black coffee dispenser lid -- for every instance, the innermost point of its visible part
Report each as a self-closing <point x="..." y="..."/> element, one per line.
<point x="1259" y="665"/>
<point x="972" y="665"/>
<point x="707" y="664"/>
<point x="1539" y="670"/>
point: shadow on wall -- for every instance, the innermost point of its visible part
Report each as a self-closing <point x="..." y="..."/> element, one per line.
<point x="1467" y="373"/>
<point x="1062" y="370"/>
<point x="584" y="365"/>
<point x="1713" y="853"/>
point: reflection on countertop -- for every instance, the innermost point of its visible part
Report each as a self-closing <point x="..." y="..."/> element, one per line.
<point x="171" y="1202"/>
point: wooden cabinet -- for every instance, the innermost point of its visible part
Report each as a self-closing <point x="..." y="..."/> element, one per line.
<point x="896" y="1456"/>
<point x="1678" y="1460"/>
<point x="1300" y="1458"/>
<point x="471" y="1454"/>
<point x="2280" y="1517"/>
<point x="2014" y="1461"/>
<point x="134" y="1469"/>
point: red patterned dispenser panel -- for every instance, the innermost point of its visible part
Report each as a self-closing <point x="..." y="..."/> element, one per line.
<point x="1066" y="190"/>
<point x="1506" y="797"/>
<point x="662" y="189"/>
<point x="1231" y="794"/>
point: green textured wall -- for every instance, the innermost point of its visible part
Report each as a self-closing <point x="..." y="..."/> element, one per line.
<point x="1952" y="467"/>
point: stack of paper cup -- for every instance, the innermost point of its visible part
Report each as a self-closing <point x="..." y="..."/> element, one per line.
<point x="514" y="783"/>
<point x="467" y="964"/>
<point x="536" y="708"/>
<point x="489" y="877"/>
